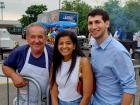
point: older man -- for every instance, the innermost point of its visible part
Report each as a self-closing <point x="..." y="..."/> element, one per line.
<point x="33" y="60"/>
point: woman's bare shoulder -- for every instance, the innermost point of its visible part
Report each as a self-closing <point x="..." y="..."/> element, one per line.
<point x="84" y="60"/>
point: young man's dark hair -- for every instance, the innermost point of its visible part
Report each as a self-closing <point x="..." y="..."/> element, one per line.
<point x="100" y="12"/>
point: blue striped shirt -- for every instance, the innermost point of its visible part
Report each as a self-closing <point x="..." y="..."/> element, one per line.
<point x="114" y="72"/>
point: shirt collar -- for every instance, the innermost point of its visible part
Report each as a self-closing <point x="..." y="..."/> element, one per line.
<point x="104" y="44"/>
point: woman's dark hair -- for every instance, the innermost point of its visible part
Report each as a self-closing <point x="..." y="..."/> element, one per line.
<point x="57" y="57"/>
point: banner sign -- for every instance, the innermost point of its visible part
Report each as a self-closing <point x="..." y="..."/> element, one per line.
<point x="65" y="16"/>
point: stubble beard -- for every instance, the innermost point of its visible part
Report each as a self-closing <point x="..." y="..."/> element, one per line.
<point x="100" y="37"/>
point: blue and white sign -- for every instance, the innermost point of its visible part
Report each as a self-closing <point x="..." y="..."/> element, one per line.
<point x="65" y="16"/>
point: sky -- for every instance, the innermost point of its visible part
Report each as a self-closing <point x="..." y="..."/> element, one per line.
<point x="14" y="9"/>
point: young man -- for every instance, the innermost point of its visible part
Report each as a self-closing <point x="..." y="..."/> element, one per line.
<point x="114" y="71"/>
<point x="33" y="60"/>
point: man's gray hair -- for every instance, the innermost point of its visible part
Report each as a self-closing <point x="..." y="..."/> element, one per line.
<point x="35" y="24"/>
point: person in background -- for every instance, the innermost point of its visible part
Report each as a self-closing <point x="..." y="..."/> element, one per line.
<point x="119" y="34"/>
<point x="91" y="41"/>
<point x="60" y="29"/>
<point x="111" y="62"/>
<point x="33" y="60"/>
<point x="68" y="62"/>
<point x="49" y="33"/>
<point x="53" y="34"/>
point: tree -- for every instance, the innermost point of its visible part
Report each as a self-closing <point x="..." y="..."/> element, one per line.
<point x="31" y="14"/>
<point x="24" y="20"/>
<point x="132" y="11"/>
<point x="126" y="17"/>
<point x="82" y="8"/>
<point x="117" y="15"/>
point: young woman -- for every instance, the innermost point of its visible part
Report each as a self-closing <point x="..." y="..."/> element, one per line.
<point x="68" y="62"/>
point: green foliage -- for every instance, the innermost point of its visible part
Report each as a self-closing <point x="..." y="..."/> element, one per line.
<point x="116" y="13"/>
<point x="82" y="8"/>
<point x="127" y="17"/>
<point x="31" y="14"/>
<point x="24" y="20"/>
<point x="132" y="11"/>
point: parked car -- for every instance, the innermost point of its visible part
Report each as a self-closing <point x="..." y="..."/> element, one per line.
<point x="6" y="42"/>
<point x="83" y="42"/>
